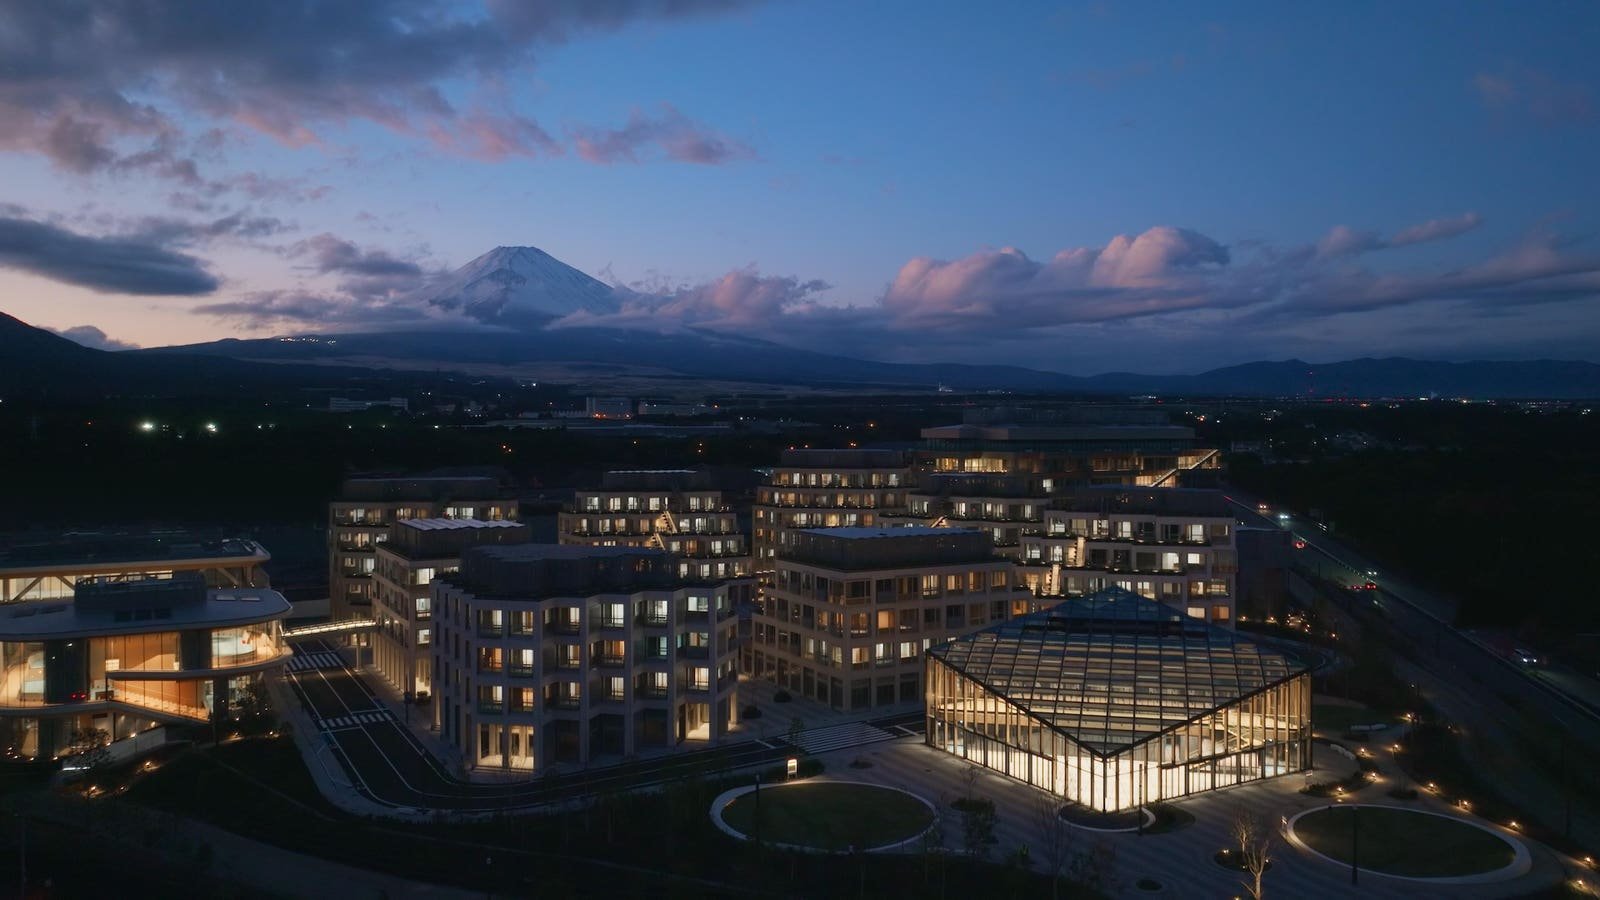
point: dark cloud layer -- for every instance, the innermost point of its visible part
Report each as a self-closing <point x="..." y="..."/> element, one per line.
<point x="92" y="84"/>
<point x="116" y="265"/>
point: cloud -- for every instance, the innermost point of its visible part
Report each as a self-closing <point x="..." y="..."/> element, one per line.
<point x="114" y="265"/>
<point x="1342" y="240"/>
<point x="670" y="133"/>
<point x="1436" y="229"/>
<point x="1537" y="95"/>
<point x="110" y="86"/>
<point x="94" y="338"/>
<point x="740" y="300"/>
<point x="1163" y="287"/>
<point x="300" y="308"/>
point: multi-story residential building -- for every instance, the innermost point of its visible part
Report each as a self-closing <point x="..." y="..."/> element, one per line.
<point x="128" y="654"/>
<point x="671" y="510"/>
<point x="1175" y="545"/>
<point x="49" y="568"/>
<point x="825" y="489"/>
<point x="360" y="519"/>
<point x="550" y="655"/>
<point x="417" y="552"/>
<point x="850" y="611"/>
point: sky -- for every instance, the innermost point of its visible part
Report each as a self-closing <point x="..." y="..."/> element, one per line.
<point x="1081" y="187"/>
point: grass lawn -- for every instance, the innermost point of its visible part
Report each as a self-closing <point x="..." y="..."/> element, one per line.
<point x="1402" y="842"/>
<point x="1337" y="718"/>
<point x="831" y="816"/>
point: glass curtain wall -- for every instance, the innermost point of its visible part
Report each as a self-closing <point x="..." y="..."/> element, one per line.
<point x="1259" y="736"/>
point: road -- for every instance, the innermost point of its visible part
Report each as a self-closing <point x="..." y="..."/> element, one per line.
<point x="383" y="760"/>
<point x="1492" y="700"/>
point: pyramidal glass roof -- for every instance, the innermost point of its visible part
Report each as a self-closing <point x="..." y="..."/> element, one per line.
<point x="1113" y="669"/>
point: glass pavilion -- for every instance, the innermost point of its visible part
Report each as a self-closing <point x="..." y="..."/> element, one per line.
<point x="1114" y="701"/>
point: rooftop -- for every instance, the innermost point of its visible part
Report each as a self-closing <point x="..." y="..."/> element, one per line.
<point x="1114" y="669"/>
<point x="455" y="524"/>
<point x="81" y="550"/>
<point x="1121" y="500"/>
<point x="137" y="611"/>
<point x="859" y="549"/>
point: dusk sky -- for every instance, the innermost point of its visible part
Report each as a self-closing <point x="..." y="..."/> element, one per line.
<point x="1084" y="187"/>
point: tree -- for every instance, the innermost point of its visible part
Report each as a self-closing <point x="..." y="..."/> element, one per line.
<point x="1055" y="838"/>
<point x="88" y="753"/>
<point x="1255" y="846"/>
<point x="977" y="826"/>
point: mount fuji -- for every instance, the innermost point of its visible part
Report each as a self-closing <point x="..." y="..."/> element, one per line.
<point x="517" y="287"/>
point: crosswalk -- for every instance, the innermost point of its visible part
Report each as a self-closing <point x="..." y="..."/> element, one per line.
<point x="368" y="717"/>
<point x="322" y="659"/>
<point x="846" y="734"/>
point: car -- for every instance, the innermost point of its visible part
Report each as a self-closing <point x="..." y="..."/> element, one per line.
<point x="1299" y="543"/>
<point x="1526" y="657"/>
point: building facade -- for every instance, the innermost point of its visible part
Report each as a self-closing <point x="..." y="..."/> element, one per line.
<point x="825" y="489"/>
<point x="125" y="656"/>
<point x="417" y="552"/>
<point x="1175" y="545"/>
<point x="360" y="519"/>
<point x="49" y="568"/>
<point x="850" y="611"/>
<point x="669" y="510"/>
<point x="551" y="655"/>
<point x="1115" y="701"/>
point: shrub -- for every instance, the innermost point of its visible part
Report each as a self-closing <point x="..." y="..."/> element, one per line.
<point x="750" y="712"/>
<point x="781" y="696"/>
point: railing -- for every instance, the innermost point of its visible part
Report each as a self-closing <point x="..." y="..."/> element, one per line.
<point x="518" y="670"/>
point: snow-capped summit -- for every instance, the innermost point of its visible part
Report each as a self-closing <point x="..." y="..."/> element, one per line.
<point x="509" y="285"/>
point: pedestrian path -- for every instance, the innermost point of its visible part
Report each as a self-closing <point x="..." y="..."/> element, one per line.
<point x="845" y="734"/>
<point x="322" y="659"/>
<point x="368" y="717"/>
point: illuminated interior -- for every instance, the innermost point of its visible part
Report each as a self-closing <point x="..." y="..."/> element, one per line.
<point x="1115" y="701"/>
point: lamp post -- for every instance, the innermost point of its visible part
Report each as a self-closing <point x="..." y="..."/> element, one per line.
<point x="758" y="809"/>
<point x="1355" y="842"/>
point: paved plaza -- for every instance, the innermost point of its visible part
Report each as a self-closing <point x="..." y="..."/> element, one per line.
<point x="1181" y="859"/>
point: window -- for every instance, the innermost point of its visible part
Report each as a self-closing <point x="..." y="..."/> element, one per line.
<point x="424" y="637"/>
<point x="424" y="607"/>
<point x="1220" y="613"/>
<point x="423" y="576"/>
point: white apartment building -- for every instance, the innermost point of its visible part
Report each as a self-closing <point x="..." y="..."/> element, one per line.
<point x="549" y="655"/>
<point x="1175" y="545"/>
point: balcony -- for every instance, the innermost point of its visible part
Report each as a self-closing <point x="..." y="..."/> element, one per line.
<point x="564" y="626"/>
<point x="563" y="703"/>
<point x="569" y="662"/>
<point x="652" y="692"/>
<point x="488" y="631"/>
<point x="490" y="708"/>
<point x="610" y="661"/>
<point x="613" y="624"/>
<point x="518" y="670"/>
<point x="694" y="652"/>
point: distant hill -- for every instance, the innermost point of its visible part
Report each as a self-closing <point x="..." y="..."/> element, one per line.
<point x="39" y="363"/>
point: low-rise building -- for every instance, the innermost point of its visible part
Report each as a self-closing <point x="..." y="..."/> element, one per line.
<point x="125" y="656"/>
<point x="548" y="655"/>
<point x="1115" y="701"/>
<point x="417" y="552"/>
<point x="50" y="567"/>
<point x="850" y="611"/>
